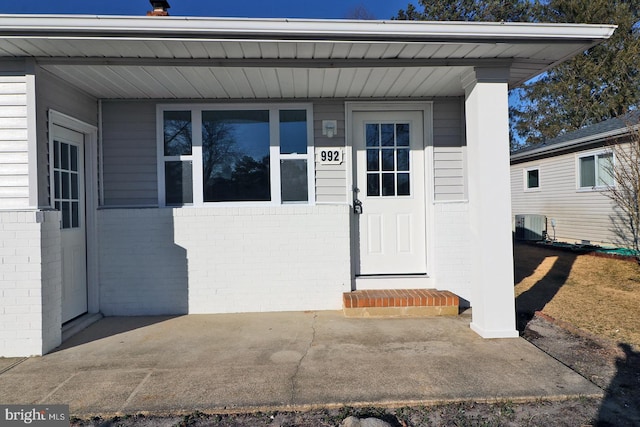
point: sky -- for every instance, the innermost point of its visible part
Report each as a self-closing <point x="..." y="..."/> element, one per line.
<point x="334" y="9"/>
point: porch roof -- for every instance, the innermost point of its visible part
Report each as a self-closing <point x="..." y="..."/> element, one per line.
<point x="231" y="58"/>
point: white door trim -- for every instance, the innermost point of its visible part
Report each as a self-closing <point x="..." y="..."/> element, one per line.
<point x="426" y="107"/>
<point x="91" y="189"/>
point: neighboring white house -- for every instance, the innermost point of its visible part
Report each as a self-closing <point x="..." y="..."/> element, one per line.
<point x="172" y="165"/>
<point x="565" y="179"/>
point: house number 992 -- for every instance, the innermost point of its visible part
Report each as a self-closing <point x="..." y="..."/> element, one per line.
<point x="330" y="156"/>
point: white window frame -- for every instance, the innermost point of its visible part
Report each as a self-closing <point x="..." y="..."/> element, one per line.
<point x="196" y="152"/>
<point x="525" y="175"/>
<point x="595" y="154"/>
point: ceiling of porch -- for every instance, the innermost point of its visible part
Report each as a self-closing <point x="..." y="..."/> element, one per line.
<point x="208" y="58"/>
<point x="183" y="82"/>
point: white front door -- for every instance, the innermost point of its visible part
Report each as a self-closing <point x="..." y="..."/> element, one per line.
<point x="69" y="199"/>
<point x="390" y="183"/>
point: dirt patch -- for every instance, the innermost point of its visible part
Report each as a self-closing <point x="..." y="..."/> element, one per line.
<point x="578" y="412"/>
<point x="597" y="295"/>
<point x="584" y="311"/>
<point x="614" y="367"/>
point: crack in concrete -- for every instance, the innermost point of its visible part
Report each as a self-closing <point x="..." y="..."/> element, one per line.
<point x="58" y="387"/>
<point x="136" y="390"/>
<point x="297" y="370"/>
<point x="13" y="365"/>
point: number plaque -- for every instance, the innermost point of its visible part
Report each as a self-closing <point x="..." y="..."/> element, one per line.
<point x="330" y="156"/>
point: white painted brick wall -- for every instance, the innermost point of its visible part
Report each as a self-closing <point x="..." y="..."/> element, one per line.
<point x="452" y="248"/>
<point x="51" y="262"/>
<point x="30" y="284"/>
<point x="220" y="260"/>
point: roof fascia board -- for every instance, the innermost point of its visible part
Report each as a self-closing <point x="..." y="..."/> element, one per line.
<point x="123" y="26"/>
<point x="574" y="143"/>
<point x="286" y="63"/>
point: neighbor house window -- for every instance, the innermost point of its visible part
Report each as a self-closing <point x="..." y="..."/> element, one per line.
<point x="222" y="154"/>
<point x="532" y="179"/>
<point x="594" y="170"/>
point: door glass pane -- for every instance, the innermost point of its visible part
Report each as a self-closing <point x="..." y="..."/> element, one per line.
<point x="293" y="131"/>
<point x="74" y="186"/>
<point x="373" y="159"/>
<point x="392" y="157"/>
<point x="387" y="160"/>
<point x="64" y="156"/>
<point x="388" y="184"/>
<point x="372" y="137"/>
<point x="293" y="179"/>
<point x="373" y="184"/>
<point x="402" y="134"/>
<point x="177" y="133"/>
<point x="56" y="185"/>
<point x="56" y="154"/>
<point x="66" y="185"/>
<point x="74" y="158"/>
<point x="387" y="136"/>
<point x="66" y="215"/>
<point x="75" y="217"/>
<point x="235" y="156"/>
<point x="178" y="182"/>
<point x="403" y="159"/>
<point x="587" y="172"/>
<point x="403" y="184"/>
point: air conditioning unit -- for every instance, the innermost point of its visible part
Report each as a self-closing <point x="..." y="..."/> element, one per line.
<point x="531" y="227"/>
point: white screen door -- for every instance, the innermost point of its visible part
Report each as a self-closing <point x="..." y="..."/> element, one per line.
<point x="69" y="199"/>
<point x="390" y="182"/>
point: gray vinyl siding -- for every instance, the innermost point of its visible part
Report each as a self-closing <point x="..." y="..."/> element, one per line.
<point x="579" y="214"/>
<point x="55" y="94"/>
<point x="14" y="145"/>
<point x="129" y="152"/>
<point x="129" y="158"/>
<point x="449" y="150"/>
<point x="331" y="180"/>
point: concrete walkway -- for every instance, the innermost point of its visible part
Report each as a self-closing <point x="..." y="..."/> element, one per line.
<point x="282" y="360"/>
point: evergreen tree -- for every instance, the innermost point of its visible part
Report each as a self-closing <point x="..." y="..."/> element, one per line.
<point x="600" y="83"/>
<point x="471" y="10"/>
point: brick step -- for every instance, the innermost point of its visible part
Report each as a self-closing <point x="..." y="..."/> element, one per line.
<point x="399" y="302"/>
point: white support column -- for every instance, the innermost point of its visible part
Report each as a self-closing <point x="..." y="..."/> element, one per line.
<point x="32" y="137"/>
<point x="487" y="127"/>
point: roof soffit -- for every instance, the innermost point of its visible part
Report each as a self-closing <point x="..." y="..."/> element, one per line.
<point x="103" y="46"/>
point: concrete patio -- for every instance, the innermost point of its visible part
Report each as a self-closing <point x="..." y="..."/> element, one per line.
<point x="296" y="360"/>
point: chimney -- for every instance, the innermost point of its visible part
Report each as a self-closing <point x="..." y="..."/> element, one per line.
<point x="159" y="8"/>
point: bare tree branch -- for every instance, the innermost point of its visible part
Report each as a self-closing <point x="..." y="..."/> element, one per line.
<point x="625" y="190"/>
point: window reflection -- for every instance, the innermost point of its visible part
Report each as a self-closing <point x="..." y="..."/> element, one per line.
<point x="293" y="131"/>
<point x="177" y="133"/>
<point x="235" y="156"/>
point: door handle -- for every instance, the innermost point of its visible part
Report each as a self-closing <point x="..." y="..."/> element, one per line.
<point x="357" y="204"/>
<point x="357" y="207"/>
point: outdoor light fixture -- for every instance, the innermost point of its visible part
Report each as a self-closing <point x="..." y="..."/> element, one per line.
<point x="329" y="128"/>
